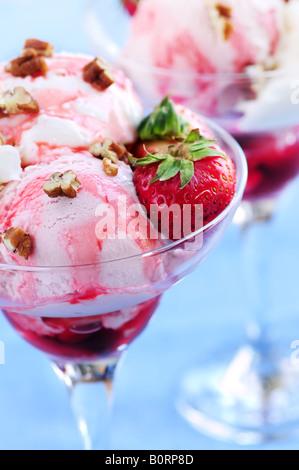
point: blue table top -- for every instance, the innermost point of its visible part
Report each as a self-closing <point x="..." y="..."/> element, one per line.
<point x="193" y="324"/>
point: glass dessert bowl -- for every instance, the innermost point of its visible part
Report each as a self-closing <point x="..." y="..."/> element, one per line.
<point x="85" y="332"/>
<point x="82" y="264"/>
<point x="256" y="102"/>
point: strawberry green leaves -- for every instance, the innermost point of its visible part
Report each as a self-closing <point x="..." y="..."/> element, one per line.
<point x="164" y="123"/>
<point x="187" y="173"/>
<point x="180" y="158"/>
<point x="169" y="168"/>
<point x="198" y="147"/>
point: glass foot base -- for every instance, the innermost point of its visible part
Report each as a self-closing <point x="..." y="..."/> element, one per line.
<point x="249" y="403"/>
<point x="90" y="387"/>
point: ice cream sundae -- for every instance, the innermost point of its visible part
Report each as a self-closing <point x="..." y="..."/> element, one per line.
<point x="75" y="156"/>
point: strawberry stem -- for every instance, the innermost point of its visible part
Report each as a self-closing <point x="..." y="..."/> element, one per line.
<point x="180" y="158"/>
<point x="163" y="124"/>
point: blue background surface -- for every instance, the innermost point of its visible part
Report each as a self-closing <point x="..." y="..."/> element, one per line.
<point x="200" y="320"/>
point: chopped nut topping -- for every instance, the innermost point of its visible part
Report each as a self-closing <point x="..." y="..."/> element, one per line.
<point x="16" y="102"/>
<point x="110" y="168"/>
<point x="44" y="49"/>
<point x="228" y="30"/>
<point x="221" y="19"/>
<point x="108" y="149"/>
<point x="17" y="241"/>
<point x="62" y="184"/>
<point x="112" y="152"/>
<point x="2" y="140"/>
<point x="99" y="74"/>
<point x="224" y="11"/>
<point x="28" y="63"/>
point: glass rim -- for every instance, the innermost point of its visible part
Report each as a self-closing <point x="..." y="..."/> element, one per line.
<point x="237" y="150"/>
<point x="216" y="76"/>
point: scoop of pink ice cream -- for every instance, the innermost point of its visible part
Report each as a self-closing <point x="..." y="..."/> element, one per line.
<point x="67" y="231"/>
<point x="204" y="36"/>
<point x="77" y="231"/>
<point x="73" y="114"/>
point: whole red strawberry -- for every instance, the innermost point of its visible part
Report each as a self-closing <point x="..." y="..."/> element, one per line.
<point x="130" y="6"/>
<point x="184" y="174"/>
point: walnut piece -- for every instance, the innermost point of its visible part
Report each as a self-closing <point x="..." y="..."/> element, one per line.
<point x="29" y="63"/>
<point x="16" y="102"/>
<point x="99" y="74"/>
<point x="43" y="49"/>
<point x="62" y="184"/>
<point x="108" y="149"/>
<point x="221" y="19"/>
<point x="111" y="153"/>
<point x="110" y="168"/>
<point x="17" y="241"/>
<point x="228" y="30"/>
<point x="224" y="11"/>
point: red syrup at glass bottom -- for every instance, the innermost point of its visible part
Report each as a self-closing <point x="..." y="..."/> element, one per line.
<point x="84" y="338"/>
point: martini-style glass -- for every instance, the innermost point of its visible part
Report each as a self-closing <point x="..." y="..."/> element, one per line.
<point x="85" y="332"/>
<point x="255" y="397"/>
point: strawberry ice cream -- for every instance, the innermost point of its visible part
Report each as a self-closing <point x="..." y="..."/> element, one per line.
<point x="69" y="232"/>
<point x="204" y="36"/>
<point x="70" y="223"/>
<point x="212" y="56"/>
<point x="72" y="113"/>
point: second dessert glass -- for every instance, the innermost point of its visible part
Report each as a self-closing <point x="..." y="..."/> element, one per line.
<point x="255" y="397"/>
<point x="86" y="332"/>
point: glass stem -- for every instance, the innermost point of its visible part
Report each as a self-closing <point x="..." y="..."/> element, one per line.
<point x="257" y="230"/>
<point x="90" y="387"/>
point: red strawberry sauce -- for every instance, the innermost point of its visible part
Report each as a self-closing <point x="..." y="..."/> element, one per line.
<point x="86" y="338"/>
